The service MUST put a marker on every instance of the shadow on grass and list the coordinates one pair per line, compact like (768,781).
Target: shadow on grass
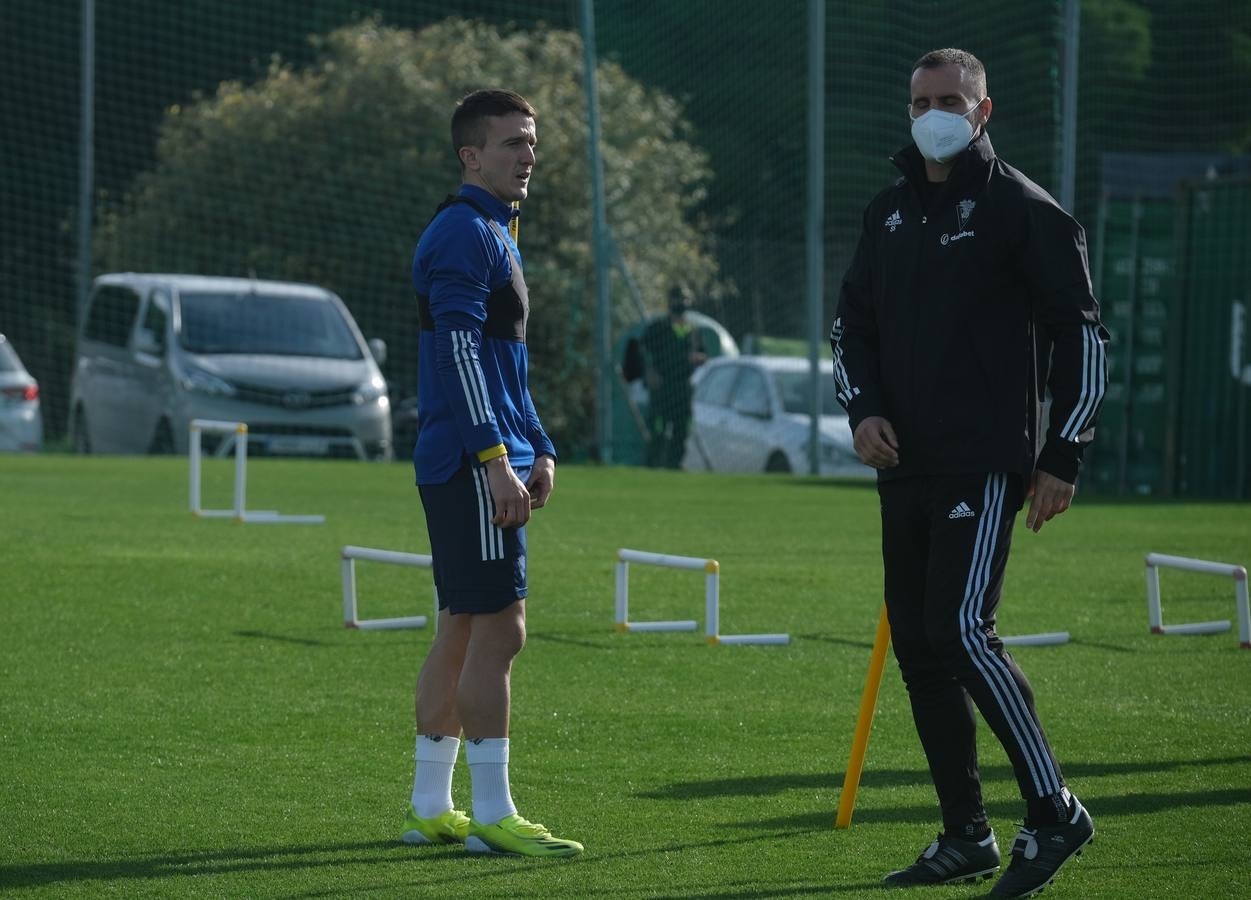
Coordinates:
(1114,805)
(729,891)
(761,785)
(496,867)
(315,856)
(267,636)
(868,645)
(194,865)
(1099,645)
(827,639)
(561,639)
(745,892)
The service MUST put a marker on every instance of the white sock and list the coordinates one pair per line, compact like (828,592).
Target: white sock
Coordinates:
(432,783)
(488,773)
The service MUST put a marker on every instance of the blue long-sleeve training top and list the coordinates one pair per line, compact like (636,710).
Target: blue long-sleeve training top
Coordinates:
(473,395)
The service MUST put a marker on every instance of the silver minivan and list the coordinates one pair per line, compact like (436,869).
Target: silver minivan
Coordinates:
(156,351)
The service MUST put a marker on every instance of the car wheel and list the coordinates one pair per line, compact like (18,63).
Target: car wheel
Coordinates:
(82,443)
(777,462)
(163,440)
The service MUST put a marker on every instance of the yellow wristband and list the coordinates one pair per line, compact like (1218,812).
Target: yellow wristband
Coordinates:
(491,453)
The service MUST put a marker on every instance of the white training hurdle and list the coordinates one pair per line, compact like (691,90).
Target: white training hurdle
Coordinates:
(240,512)
(712,599)
(1157,561)
(1044,639)
(349,555)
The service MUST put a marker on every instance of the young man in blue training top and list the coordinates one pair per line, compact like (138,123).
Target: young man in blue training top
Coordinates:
(483,462)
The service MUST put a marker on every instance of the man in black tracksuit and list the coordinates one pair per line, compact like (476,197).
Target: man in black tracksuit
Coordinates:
(968,297)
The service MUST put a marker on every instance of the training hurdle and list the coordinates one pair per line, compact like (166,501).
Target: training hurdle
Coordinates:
(1045,639)
(349,555)
(712,599)
(1157,561)
(240,512)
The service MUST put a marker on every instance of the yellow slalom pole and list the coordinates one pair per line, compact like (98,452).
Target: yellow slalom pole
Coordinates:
(864,722)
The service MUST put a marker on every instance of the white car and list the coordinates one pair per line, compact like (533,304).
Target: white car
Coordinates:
(157,351)
(21,423)
(751,414)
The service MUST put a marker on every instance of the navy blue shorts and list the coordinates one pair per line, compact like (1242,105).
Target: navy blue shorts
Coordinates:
(478,567)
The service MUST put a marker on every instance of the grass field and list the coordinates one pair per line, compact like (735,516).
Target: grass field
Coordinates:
(183,713)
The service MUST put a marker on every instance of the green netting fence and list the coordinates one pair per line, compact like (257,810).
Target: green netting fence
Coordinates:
(307,141)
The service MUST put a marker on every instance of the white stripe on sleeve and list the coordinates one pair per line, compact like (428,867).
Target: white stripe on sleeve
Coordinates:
(475,394)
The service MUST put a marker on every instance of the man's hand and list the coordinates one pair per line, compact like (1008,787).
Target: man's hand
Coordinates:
(511,499)
(876,444)
(542,481)
(1049,496)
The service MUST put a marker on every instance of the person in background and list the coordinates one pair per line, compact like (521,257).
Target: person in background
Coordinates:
(671,351)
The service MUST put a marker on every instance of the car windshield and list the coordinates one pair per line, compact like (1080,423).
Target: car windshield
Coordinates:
(8,358)
(268,324)
(796,389)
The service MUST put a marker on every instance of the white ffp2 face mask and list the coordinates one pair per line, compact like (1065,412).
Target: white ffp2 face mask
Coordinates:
(940,135)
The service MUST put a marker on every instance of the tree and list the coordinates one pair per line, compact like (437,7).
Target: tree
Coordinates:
(328,174)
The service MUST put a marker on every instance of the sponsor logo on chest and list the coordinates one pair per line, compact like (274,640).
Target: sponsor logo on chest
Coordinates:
(964,210)
(893,221)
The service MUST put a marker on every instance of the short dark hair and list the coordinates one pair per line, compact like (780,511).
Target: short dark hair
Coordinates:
(469,119)
(679,299)
(950,56)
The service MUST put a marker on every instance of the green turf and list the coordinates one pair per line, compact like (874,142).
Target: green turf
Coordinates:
(184,714)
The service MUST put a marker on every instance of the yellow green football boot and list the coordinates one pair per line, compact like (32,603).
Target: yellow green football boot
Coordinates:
(450,827)
(514,835)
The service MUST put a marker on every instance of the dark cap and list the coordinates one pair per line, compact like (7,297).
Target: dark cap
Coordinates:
(679,300)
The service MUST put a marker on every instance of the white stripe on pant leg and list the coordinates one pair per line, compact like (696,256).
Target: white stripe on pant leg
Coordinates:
(493,535)
(994,670)
(970,623)
(1013,705)
(1032,742)
(495,538)
(982,546)
(484,514)
(488,513)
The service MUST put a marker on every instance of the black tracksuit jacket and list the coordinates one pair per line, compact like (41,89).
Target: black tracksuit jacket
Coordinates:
(951,325)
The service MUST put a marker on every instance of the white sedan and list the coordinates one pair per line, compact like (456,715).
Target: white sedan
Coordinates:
(21,423)
(751,414)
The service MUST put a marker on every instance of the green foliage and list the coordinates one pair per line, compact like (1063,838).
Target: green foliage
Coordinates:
(184,714)
(1115,41)
(328,174)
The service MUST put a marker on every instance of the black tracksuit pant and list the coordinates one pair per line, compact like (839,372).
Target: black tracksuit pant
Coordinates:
(945,546)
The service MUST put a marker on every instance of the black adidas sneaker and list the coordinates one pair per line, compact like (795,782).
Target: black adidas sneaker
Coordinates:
(948,860)
(1038,854)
